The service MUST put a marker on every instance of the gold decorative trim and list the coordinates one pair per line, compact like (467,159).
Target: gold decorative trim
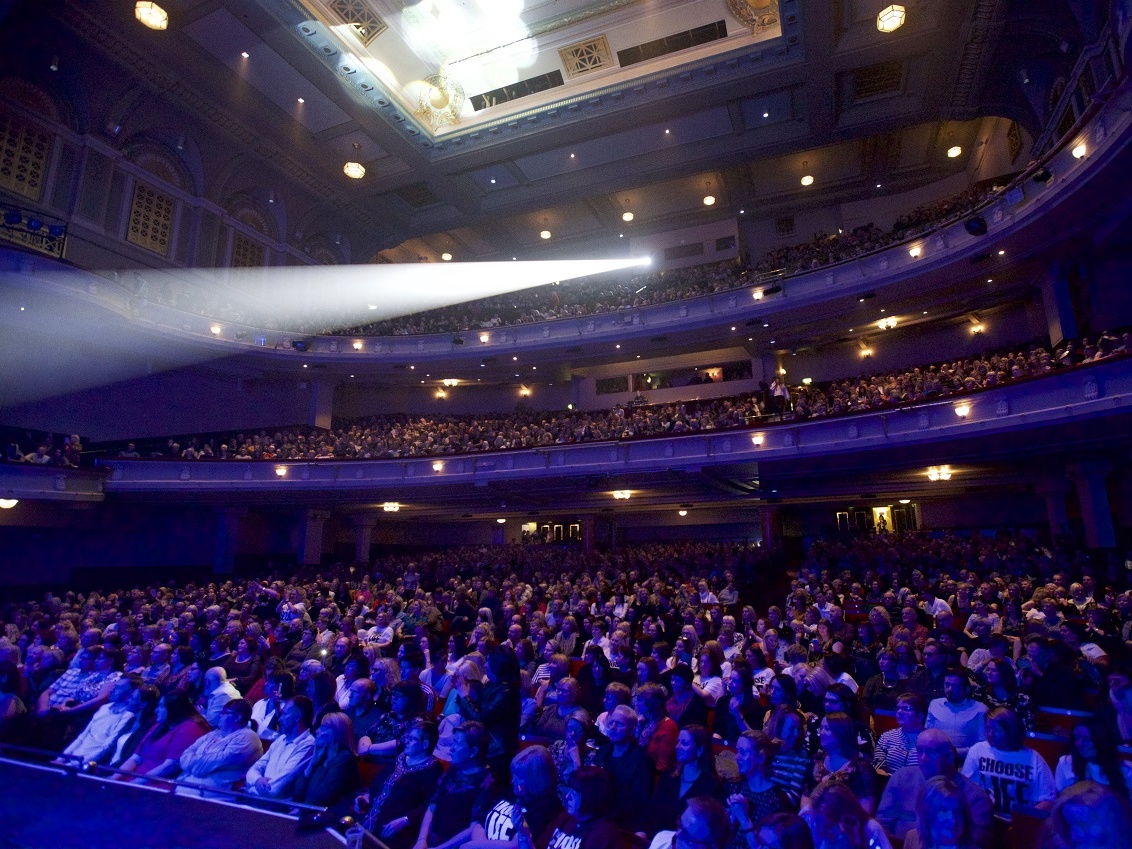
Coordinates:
(759,15)
(580,58)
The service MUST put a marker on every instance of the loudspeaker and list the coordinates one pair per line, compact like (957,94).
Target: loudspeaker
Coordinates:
(976,225)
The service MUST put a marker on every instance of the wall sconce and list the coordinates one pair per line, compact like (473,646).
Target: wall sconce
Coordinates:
(281,471)
(1080,150)
(681,513)
(8,503)
(757,439)
(891,18)
(622,494)
(501,521)
(391,506)
(914,251)
(214,330)
(962,410)
(485,338)
(939,473)
(438,466)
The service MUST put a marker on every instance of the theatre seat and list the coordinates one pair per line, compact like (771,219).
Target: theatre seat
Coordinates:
(1026,827)
(1059,721)
(1050,746)
(883,720)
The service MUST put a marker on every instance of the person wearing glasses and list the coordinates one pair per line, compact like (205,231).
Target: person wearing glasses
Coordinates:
(222,757)
(704,824)
(587,825)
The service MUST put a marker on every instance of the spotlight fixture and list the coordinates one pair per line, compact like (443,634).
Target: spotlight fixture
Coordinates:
(962,410)
(524,392)
(976,225)
(391,506)
(354,169)
(954,152)
(151,15)
(976,329)
(757,294)
(440,393)
(891,18)
(887,323)
(450,381)
(866,352)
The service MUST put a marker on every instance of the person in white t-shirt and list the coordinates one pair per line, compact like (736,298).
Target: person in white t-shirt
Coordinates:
(1093,756)
(1012,774)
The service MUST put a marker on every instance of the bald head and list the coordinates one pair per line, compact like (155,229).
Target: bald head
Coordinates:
(935,753)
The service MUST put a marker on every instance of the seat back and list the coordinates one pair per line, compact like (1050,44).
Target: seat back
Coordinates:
(883,720)
(1050,746)
(1060,721)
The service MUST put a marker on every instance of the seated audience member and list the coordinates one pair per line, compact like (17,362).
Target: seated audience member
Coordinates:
(837,820)
(531,808)
(274,773)
(465,793)
(686,706)
(355,668)
(244,667)
(782,695)
(1005,768)
(178,726)
(588,824)
(786,831)
(936,757)
(839,698)
(222,757)
(703,823)
(385,737)
(330,778)
(97,740)
(630,769)
(218,691)
(550,724)
(11,705)
(943,818)
(1093,756)
(739,710)
(576,749)
(882,690)
(754,796)
(1088,814)
(792,767)
(1001,690)
(616,694)
(896,748)
(143,705)
(319,689)
(655,729)
(693,775)
(396,803)
(840,760)
(266,712)
(957,714)
(498,705)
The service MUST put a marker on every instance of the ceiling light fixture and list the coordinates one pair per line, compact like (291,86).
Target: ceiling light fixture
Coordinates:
(391,506)
(245,55)
(151,15)
(627,215)
(215,330)
(939,473)
(622,494)
(807,180)
(891,18)
(354,170)
(447,257)
(709,198)
(954,152)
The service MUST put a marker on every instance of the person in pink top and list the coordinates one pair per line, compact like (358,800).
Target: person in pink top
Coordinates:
(178,726)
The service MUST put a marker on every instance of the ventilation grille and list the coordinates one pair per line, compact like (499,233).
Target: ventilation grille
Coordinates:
(523,88)
(784,225)
(360,18)
(24,153)
(672,43)
(247,253)
(874,80)
(418,195)
(586,56)
(151,220)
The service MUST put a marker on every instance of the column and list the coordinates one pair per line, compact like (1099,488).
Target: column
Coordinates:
(589,532)
(770,517)
(321,407)
(1058,304)
(1054,492)
(363,525)
(1091,481)
(227,535)
(311,524)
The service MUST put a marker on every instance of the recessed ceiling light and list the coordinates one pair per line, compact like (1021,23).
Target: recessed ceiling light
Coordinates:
(245,54)
(1002,253)
(151,15)
(354,170)
(301,100)
(493,181)
(571,156)
(766,114)
(668,132)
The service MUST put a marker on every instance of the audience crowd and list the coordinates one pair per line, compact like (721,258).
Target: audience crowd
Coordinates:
(666,695)
(578,298)
(401,435)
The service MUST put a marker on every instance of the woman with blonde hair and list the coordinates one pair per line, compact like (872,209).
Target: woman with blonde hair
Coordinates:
(943,818)
(533,800)
(331,777)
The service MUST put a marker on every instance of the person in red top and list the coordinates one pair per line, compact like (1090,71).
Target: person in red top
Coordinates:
(178,725)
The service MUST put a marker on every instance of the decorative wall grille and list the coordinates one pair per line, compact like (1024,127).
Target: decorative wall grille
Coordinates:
(24,152)
(151,220)
(358,15)
(247,253)
(586,56)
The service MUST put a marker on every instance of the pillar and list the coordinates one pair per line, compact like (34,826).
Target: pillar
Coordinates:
(1054,492)
(589,532)
(321,406)
(311,525)
(1058,303)
(1090,478)
(227,534)
(363,525)
(770,517)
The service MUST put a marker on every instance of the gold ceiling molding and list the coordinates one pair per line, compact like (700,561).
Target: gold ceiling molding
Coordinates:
(759,15)
(441,100)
